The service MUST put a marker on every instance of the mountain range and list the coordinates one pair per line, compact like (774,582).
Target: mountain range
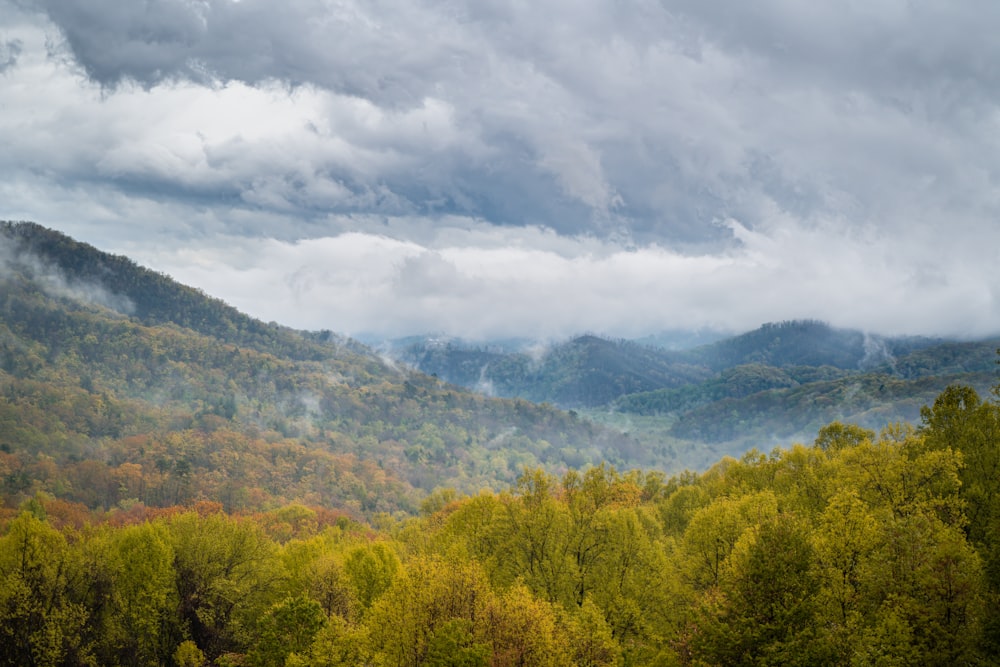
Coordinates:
(120,388)
(780,382)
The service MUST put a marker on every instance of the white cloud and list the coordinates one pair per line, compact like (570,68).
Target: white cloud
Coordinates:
(366,283)
(535,168)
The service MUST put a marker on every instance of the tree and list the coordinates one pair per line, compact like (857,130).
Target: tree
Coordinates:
(133,597)
(960,421)
(713,532)
(39,622)
(768,601)
(837,435)
(453,644)
(189,655)
(288,627)
(522,630)
(371,570)
(536,543)
(227,576)
(417,612)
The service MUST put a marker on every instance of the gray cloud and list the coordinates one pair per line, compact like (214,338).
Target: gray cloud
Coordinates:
(731,135)
(640,119)
(9,52)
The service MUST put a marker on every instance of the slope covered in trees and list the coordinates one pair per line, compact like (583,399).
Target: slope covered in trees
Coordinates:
(118,385)
(586,371)
(856,550)
(210,490)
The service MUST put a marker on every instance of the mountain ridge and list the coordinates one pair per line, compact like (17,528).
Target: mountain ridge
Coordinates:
(105,399)
(790,359)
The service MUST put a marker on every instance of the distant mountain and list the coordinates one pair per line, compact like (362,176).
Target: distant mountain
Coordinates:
(780,381)
(677,340)
(118,385)
(775,416)
(586,371)
(589,371)
(806,343)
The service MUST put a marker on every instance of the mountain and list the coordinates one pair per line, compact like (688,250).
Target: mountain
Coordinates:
(774,384)
(805,343)
(118,385)
(586,371)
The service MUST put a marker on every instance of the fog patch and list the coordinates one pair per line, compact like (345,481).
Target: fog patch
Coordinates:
(484,385)
(877,353)
(54,282)
(538,351)
(467,286)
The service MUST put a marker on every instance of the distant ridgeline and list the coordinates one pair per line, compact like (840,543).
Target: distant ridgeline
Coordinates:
(776,383)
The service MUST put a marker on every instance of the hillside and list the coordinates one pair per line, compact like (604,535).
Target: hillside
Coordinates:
(118,385)
(855,550)
(805,343)
(776,384)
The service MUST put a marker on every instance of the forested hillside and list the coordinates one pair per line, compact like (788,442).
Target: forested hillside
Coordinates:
(119,386)
(586,371)
(856,550)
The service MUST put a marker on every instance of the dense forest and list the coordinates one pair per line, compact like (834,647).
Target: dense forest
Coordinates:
(856,550)
(183,485)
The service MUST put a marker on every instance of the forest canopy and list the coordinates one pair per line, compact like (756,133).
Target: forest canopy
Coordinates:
(857,549)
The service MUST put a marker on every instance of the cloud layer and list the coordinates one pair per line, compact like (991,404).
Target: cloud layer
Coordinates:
(504,168)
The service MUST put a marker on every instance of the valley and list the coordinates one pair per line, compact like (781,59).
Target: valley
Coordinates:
(185,485)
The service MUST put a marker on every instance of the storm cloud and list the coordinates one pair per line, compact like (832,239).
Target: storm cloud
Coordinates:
(506,167)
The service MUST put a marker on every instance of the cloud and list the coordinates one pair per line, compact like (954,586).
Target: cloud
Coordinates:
(540,166)
(469,286)
(9,52)
(648,121)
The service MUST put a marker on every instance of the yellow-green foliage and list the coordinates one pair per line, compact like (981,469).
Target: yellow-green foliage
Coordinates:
(856,550)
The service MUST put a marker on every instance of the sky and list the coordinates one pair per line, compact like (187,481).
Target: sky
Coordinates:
(489,168)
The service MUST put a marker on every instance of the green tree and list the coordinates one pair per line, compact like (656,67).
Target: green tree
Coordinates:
(371,570)
(713,532)
(341,644)
(536,539)
(766,613)
(288,627)
(40,624)
(189,655)
(453,644)
(414,613)
(227,576)
(960,421)
(590,638)
(131,574)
